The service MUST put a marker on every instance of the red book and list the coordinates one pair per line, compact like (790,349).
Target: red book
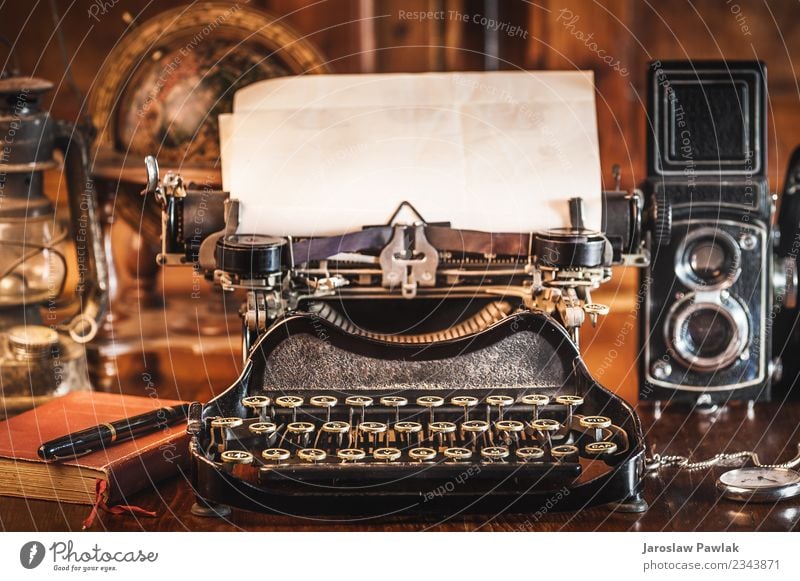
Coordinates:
(115,472)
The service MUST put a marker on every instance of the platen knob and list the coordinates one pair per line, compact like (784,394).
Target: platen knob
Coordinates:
(660,218)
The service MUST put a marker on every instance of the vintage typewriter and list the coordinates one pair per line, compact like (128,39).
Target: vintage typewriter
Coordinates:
(412,366)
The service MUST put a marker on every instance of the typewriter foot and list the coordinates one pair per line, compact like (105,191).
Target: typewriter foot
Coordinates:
(632,504)
(208,509)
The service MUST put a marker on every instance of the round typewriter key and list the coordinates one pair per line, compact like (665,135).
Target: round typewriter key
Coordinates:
(351,454)
(458,453)
(495,453)
(236,457)
(500,400)
(565,452)
(335,427)
(257,403)
(360,401)
(311,454)
(598,448)
(289,401)
(300,427)
(387,454)
(262,428)
(571,400)
(597,423)
(275,454)
(536,400)
(529,454)
(546,425)
(422,454)
(323,401)
(442,427)
(408,427)
(393,401)
(431,402)
(509,426)
(475,426)
(373,427)
(226,423)
(466,402)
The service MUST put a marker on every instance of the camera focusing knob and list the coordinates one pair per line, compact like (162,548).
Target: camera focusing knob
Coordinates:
(660,218)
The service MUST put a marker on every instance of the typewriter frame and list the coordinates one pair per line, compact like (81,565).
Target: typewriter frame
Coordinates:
(620,485)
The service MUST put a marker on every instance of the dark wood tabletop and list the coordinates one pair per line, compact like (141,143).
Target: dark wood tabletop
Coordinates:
(679,500)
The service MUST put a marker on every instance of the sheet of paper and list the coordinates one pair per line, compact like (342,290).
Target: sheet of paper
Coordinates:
(495,151)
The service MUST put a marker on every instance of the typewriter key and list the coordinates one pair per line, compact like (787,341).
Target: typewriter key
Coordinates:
(440,429)
(599,448)
(373,427)
(312,455)
(466,402)
(351,455)
(395,402)
(276,455)
(536,400)
(458,454)
(545,427)
(571,401)
(300,431)
(422,454)
(290,401)
(598,423)
(509,426)
(236,457)
(501,401)
(565,453)
(387,454)
(495,453)
(358,401)
(530,454)
(324,401)
(220,431)
(431,402)
(475,426)
(259,405)
(335,427)
(262,428)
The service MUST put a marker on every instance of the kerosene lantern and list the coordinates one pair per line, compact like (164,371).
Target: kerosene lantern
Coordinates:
(41,349)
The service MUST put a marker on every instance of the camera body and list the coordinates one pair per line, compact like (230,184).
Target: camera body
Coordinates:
(708,289)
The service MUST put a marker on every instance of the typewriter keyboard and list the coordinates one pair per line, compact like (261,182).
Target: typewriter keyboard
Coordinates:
(380,437)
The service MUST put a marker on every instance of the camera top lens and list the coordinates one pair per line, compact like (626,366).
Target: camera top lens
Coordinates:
(708,259)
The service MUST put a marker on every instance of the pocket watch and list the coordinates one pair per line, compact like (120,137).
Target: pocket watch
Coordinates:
(756,483)
(759,484)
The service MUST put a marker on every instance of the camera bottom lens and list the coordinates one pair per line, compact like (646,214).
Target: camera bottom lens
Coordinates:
(706,336)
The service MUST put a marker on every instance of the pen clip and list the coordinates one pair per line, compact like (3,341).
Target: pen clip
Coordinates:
(70,456)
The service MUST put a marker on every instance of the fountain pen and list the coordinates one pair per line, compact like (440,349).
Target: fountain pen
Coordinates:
(108,434)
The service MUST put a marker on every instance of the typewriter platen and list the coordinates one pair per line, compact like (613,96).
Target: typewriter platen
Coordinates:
(338,413)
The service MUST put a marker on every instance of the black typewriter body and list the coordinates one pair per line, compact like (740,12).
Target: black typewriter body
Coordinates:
(491,473)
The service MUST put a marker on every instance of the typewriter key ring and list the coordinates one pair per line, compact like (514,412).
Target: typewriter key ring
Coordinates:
(530,454)
(312,455)
(276,455)
(422,454)
(600,448)
(431,402)
(258,404)
(545,428)
(263,429)
(232,457)
(405,429)
(358,401)
(458,454)
(536,400)
(387,454)
(324,401)
(301,431)
(339,429)
(221,431)
(372,432)
(571,401)
(596,423)
(494,453)
(565,453)
(465,401)
(395,402)
(501,401)
(290,401)
(441,429)
(509,430)
(475,428)
(351,455)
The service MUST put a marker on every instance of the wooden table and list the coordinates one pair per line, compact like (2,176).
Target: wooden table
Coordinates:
(679,500)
